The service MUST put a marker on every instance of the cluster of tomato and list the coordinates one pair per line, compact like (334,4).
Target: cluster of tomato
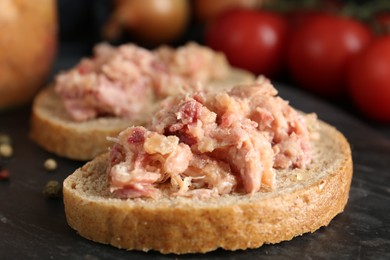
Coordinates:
(333,56)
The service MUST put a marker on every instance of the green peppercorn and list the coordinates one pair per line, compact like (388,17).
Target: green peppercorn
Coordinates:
(52,189)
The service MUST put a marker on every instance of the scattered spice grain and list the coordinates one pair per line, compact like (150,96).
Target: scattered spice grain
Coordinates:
(6,150)
(52,189)
(4,175)
(50,164)
(5,139)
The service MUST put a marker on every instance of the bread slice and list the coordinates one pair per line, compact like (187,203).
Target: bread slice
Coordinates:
(305,200)
(54,130)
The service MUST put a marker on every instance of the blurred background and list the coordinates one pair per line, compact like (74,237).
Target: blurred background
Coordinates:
(338,51)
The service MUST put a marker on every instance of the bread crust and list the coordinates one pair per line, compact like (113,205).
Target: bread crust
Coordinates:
(305,200)
(56,132)
(52,128)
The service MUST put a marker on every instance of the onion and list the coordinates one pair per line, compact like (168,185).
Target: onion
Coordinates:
(152,22)
(28,44)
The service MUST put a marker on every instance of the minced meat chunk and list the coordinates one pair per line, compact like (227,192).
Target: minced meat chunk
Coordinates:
(205,144)
(125,81)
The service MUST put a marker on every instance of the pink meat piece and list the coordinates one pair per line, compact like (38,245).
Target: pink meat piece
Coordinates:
(215,144)
(124,81)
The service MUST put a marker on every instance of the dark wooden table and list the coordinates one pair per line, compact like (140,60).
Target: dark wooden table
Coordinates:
(34,227)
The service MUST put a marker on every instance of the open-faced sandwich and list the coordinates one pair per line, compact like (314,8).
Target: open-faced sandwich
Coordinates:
(119,86)
(232,169)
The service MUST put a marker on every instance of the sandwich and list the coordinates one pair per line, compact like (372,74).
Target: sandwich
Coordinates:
(233,169)
(117,87)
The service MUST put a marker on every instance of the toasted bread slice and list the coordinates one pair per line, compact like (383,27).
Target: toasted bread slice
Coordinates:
(304,200)
(54,130)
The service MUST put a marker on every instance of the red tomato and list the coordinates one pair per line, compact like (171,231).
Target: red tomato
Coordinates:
(319,53)
(382,22)
(251,39)
(369,80)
